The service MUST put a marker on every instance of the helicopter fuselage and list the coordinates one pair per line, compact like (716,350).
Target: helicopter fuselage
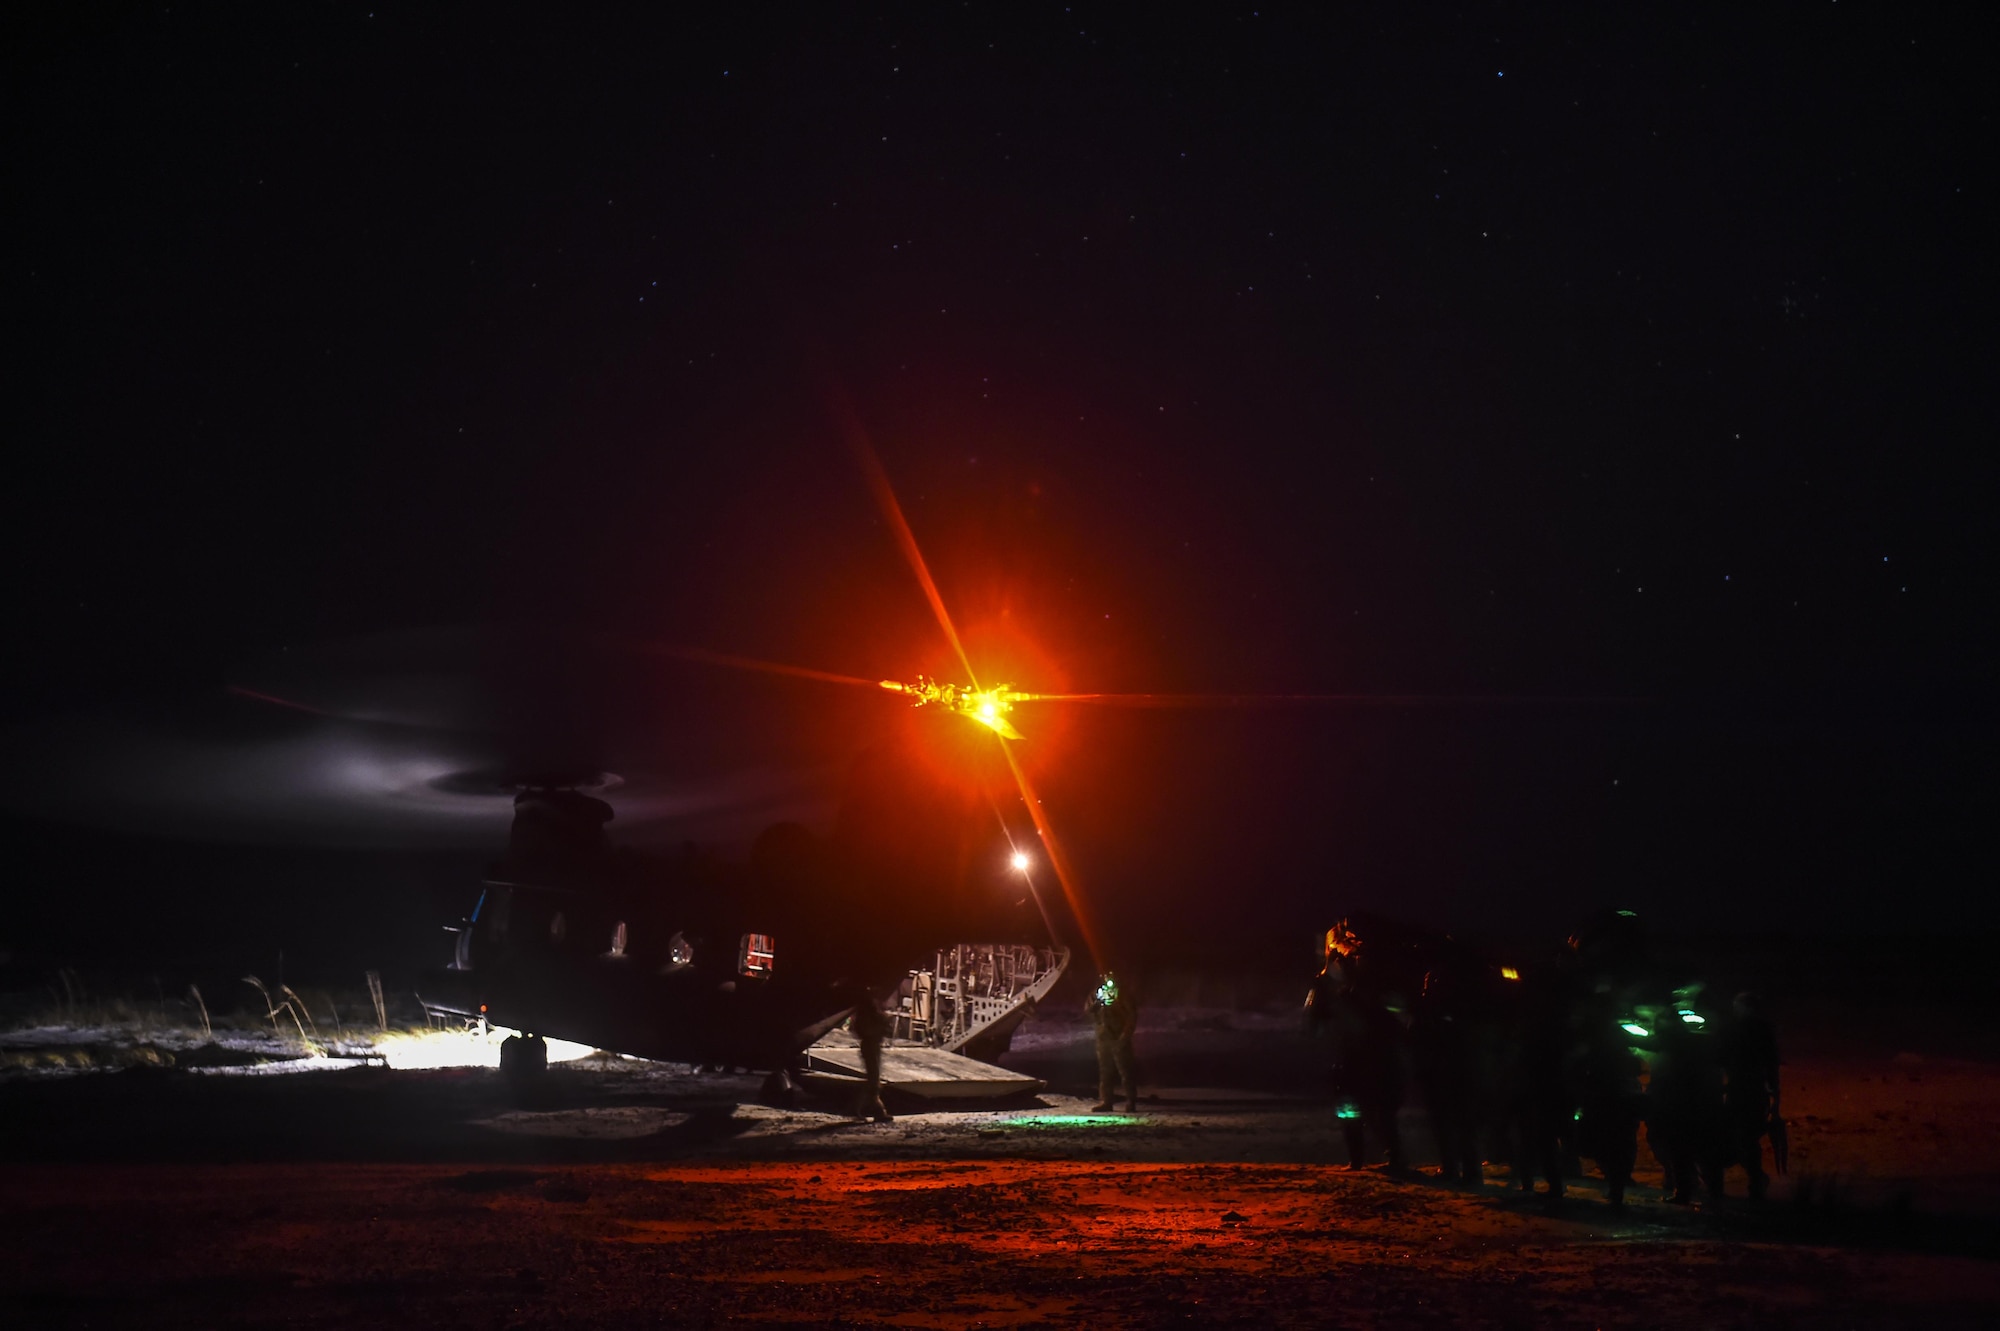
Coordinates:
(609,969)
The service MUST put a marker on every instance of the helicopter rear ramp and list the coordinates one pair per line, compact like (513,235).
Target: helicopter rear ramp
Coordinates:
(968,1000)
(921,1071)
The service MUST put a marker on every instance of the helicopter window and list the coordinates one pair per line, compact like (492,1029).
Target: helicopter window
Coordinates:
(618,939)
(558,927)
(755,954)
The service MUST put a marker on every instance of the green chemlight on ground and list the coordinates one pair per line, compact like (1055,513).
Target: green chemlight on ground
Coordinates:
(1069,1120)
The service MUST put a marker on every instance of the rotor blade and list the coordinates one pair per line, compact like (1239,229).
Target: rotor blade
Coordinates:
(220,774)
(237,690)
(734,662)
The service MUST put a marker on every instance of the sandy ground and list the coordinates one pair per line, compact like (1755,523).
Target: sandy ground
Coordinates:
(626,1193)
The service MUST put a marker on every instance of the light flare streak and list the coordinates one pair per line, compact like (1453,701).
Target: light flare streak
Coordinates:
(1198,700)
(856,435)
(892,511)
(1059,864)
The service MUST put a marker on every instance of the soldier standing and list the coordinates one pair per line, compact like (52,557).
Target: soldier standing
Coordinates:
(1603,1078)
(1750,1102)
(1367,1065)
(1116,1017)
(1442,1049)
(871,1026)
(1684,1094)
(1538,1105)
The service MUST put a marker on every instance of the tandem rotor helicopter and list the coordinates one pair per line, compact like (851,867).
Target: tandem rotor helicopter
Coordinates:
(693,959)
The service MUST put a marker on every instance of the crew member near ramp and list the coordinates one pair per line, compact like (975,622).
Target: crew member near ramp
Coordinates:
(1116,1016)
(870,1026)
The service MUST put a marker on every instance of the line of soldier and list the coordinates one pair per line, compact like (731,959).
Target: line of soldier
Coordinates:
(1540,1067)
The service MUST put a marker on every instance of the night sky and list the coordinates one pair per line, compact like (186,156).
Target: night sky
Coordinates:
(1629,371)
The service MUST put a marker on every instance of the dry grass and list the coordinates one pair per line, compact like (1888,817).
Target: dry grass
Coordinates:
(207,1029)
(85,1058)
(290,1006)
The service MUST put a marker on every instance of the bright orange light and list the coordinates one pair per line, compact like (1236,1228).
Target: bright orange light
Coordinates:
(989,707)
(1509,973)
(1021,861)
(885,497)
(991,711)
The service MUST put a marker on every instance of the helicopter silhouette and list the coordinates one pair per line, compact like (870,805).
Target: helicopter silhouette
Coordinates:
(695,958)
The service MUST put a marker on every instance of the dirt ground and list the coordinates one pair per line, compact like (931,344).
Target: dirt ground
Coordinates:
(627,1193)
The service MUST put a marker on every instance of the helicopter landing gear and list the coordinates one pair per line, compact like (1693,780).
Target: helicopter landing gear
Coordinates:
(523,1058)
(779,1091)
